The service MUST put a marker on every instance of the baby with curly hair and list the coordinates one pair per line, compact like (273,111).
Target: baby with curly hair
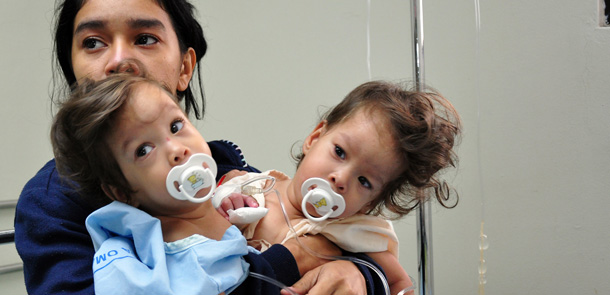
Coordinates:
(373,157)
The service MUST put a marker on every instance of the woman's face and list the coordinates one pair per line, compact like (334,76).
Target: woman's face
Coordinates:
(134,36)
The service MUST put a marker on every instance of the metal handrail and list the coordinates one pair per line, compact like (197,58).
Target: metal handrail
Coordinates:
(7,236)
(8,204)
(11,268)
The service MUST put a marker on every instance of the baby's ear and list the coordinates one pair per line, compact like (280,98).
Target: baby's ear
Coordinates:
(115,194)
(313,137)
(367,207)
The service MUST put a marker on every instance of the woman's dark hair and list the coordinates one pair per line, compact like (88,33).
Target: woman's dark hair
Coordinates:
(424,126)
(186,26)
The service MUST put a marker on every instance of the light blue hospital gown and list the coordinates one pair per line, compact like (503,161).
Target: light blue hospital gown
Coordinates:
(131,257)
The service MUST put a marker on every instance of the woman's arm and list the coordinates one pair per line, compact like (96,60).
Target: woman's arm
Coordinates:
(321,276)
(342,277)
(51,238)
(335,277)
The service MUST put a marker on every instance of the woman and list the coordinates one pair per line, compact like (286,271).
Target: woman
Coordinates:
(163,41)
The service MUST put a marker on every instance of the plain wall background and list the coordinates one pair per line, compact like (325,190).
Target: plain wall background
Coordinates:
(532,88)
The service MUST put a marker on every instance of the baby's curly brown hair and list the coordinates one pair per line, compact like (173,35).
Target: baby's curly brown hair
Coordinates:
(425,127)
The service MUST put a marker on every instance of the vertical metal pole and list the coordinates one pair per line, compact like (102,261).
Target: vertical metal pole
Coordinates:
(424,223)
(424,249)
(417,23)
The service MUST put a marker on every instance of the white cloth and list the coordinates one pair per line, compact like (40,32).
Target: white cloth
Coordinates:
(357,233)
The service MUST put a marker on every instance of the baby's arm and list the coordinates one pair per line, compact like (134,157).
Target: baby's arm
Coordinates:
(396,275)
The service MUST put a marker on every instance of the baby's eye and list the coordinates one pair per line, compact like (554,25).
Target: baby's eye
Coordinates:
(176,126)
(339,152)
(146,40)
(365,182)
(143,150)
(92,43)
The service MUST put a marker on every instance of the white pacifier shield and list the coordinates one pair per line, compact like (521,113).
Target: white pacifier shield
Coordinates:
(191,177)
(322,198)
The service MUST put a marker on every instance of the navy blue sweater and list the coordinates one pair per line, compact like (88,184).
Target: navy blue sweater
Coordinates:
(56,249)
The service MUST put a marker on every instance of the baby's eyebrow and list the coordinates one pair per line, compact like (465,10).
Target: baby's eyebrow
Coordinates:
(124,145)
(123,142)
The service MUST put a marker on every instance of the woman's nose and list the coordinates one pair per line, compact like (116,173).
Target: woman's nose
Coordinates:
(122,60)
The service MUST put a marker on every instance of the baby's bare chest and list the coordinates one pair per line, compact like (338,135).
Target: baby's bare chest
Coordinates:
(273,227)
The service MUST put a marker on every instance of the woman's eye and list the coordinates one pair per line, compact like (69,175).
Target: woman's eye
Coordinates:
(92,43)
(146,40)
(176,126)
(143,150)
(365,182)
(339,152)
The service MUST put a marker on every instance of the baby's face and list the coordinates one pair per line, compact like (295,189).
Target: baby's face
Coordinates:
(151,135)
(357,157)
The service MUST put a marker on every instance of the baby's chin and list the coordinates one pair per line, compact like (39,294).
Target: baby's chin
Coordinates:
(183,209)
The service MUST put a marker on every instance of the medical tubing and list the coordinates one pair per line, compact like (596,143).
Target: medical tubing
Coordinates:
(250,190)
(271,281)
(386,287)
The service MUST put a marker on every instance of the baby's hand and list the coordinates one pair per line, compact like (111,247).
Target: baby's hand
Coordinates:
(229,197)
(235,201)
(233,205)
(240,209)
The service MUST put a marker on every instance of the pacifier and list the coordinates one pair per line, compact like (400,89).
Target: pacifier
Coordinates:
(322,198)
(184,181)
